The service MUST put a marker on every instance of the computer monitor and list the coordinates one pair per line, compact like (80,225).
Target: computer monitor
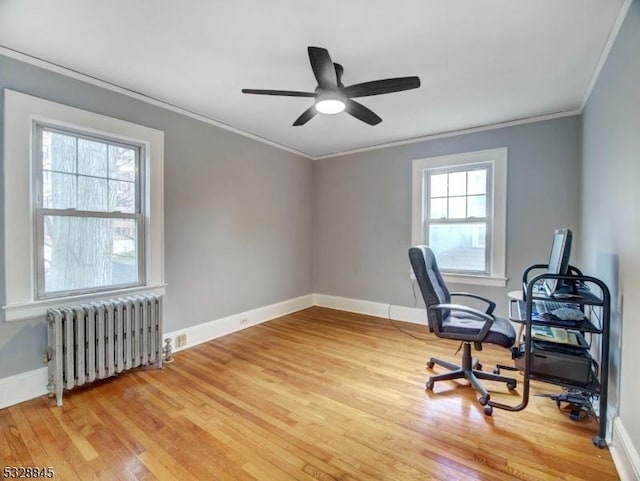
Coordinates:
(558,259)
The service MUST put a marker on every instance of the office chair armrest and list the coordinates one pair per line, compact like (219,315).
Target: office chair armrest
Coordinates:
(491,305)
(488,321)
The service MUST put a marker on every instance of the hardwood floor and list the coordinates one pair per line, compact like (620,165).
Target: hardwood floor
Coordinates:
(315,395)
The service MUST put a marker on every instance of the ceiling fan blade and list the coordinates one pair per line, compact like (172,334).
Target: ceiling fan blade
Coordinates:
(378,87)
(323,68)
(285,93)
(306,116)
(361,112)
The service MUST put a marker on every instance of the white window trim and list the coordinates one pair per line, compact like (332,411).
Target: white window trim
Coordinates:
(498,157)
(21,111)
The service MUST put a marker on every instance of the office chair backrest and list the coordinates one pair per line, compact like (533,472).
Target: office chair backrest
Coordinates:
(433,288)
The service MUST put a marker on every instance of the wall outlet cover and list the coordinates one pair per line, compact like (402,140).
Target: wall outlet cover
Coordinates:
(181,340)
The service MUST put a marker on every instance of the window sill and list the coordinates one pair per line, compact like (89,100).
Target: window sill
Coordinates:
(475,280)
(38,309)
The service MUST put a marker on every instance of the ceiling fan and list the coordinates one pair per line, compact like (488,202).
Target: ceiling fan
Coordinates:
(332,97)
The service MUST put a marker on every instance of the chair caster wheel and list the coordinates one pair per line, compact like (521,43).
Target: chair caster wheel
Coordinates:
(429,385)
(483,400)
(478,367)
(430,365)
(511,385)
(496,370)
(488,410)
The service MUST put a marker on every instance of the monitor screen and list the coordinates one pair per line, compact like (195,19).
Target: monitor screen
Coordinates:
(559,258)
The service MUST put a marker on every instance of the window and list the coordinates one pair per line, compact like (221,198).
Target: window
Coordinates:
(457,224)
(89,219)
(459,210)
(83,206)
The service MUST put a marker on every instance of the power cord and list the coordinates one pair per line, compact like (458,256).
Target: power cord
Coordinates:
(415,303)
(592,315)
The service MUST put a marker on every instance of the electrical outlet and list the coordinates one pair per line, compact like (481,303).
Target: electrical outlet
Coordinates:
(244,321)
(181,341)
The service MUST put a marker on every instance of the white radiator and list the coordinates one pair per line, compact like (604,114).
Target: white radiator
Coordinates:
(102,339)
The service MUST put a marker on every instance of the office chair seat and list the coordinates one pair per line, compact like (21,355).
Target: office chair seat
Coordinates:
(460,322)
(500,332)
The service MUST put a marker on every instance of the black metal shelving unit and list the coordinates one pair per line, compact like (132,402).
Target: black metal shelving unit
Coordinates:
(575,292)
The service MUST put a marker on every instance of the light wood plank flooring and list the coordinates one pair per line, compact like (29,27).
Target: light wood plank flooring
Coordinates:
(316,395)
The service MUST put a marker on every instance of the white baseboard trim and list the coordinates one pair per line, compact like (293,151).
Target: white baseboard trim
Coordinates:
(624,453)
(221,327)
(398,313)
(22,387)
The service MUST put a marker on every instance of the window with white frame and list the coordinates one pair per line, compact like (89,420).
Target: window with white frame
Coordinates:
(83,206)
(88,211)
(459,211)
(457,226)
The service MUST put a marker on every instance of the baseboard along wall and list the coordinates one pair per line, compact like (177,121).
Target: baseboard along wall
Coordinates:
(624,453)
(23,386)
(210,330)
(398,313)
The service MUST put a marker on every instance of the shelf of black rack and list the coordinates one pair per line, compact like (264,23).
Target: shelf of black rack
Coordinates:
(582,326)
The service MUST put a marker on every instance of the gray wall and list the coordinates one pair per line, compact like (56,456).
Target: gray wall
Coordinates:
(611,197)
(238,214)
(363,208)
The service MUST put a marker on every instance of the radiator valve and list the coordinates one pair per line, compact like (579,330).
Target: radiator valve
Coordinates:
(167,351)
(47,355)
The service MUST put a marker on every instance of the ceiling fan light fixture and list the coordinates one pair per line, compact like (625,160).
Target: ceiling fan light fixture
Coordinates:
(332,97)
(330,103)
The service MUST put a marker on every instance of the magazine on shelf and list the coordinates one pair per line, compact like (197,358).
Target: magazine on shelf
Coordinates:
(558,335)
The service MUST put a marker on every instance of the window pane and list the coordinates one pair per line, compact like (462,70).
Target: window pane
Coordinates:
(89,252)
(122,163)
(477,206)
(457,207)
(92,194)
(438,209)
(458,183)
(58,190)
(477,182)
(459,247)
(92,158)
(122,196)
(438,186)
(58,152)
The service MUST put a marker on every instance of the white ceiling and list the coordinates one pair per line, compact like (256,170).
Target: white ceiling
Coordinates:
(480,62)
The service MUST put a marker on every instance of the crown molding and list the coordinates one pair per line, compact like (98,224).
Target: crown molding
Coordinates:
(38,62)
(454,133)
(604,55)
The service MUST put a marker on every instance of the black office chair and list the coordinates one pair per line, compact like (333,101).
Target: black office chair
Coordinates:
(459,322)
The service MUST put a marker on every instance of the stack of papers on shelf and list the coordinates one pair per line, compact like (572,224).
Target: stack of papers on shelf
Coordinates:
(557,335)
